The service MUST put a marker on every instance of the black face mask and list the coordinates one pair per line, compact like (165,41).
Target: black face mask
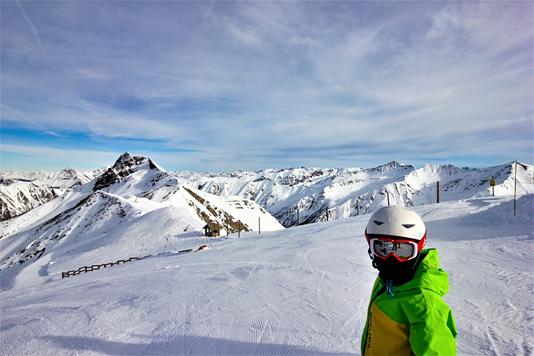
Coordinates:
(391,268)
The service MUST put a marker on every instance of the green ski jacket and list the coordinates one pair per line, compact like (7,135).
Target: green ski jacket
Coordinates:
(416,320)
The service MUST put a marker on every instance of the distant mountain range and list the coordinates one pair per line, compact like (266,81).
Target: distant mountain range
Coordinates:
(307,195)
(293,195)
(23,191)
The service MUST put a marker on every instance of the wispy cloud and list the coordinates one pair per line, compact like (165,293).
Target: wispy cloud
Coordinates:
(235,84)
(30,23)
(208,11)
(19,115)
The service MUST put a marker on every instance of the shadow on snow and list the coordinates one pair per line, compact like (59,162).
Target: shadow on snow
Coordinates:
(181,345)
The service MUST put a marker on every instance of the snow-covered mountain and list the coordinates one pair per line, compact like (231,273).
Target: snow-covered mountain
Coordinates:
(23,191)
(307,195)
(113,204)
(298,195)
(302,290)
(67,178)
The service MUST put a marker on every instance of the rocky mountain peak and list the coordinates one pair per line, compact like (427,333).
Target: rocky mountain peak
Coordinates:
(128,163)
(68,173)
(126,160)
(123,167)
(392,166)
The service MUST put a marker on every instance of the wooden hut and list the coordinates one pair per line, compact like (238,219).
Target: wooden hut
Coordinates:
(212,229)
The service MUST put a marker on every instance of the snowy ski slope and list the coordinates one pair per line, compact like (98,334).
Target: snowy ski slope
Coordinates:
(297,291)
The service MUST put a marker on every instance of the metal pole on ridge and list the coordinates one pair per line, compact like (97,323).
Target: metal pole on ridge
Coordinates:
(515,187)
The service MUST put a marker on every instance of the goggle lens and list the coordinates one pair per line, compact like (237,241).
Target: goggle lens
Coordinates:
(403,250)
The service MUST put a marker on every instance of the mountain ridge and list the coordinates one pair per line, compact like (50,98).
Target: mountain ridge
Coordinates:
(306,195)
(292,195)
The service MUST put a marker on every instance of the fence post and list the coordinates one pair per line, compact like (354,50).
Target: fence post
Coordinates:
(438,191)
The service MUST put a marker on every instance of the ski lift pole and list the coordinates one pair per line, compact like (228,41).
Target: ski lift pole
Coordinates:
(515,187)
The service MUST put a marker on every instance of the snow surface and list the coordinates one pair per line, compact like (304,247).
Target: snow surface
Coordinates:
(297,291)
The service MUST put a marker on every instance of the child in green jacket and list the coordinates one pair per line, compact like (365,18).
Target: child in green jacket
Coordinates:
(407,314)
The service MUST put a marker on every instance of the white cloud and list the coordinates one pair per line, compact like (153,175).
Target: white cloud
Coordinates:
(253,78)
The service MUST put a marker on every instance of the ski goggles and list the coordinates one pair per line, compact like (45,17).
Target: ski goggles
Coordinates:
(403,250)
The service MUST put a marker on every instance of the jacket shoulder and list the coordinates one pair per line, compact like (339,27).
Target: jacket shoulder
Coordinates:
(429,276)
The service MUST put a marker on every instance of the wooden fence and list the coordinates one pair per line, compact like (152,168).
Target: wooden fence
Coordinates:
(86,269)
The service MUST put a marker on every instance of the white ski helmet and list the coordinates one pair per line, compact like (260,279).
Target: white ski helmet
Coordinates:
(396,223)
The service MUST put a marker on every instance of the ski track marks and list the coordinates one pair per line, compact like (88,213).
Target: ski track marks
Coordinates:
(300,291)
(490,296)
(35,332)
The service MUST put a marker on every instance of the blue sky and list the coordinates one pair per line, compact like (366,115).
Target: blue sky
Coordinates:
(226,85)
